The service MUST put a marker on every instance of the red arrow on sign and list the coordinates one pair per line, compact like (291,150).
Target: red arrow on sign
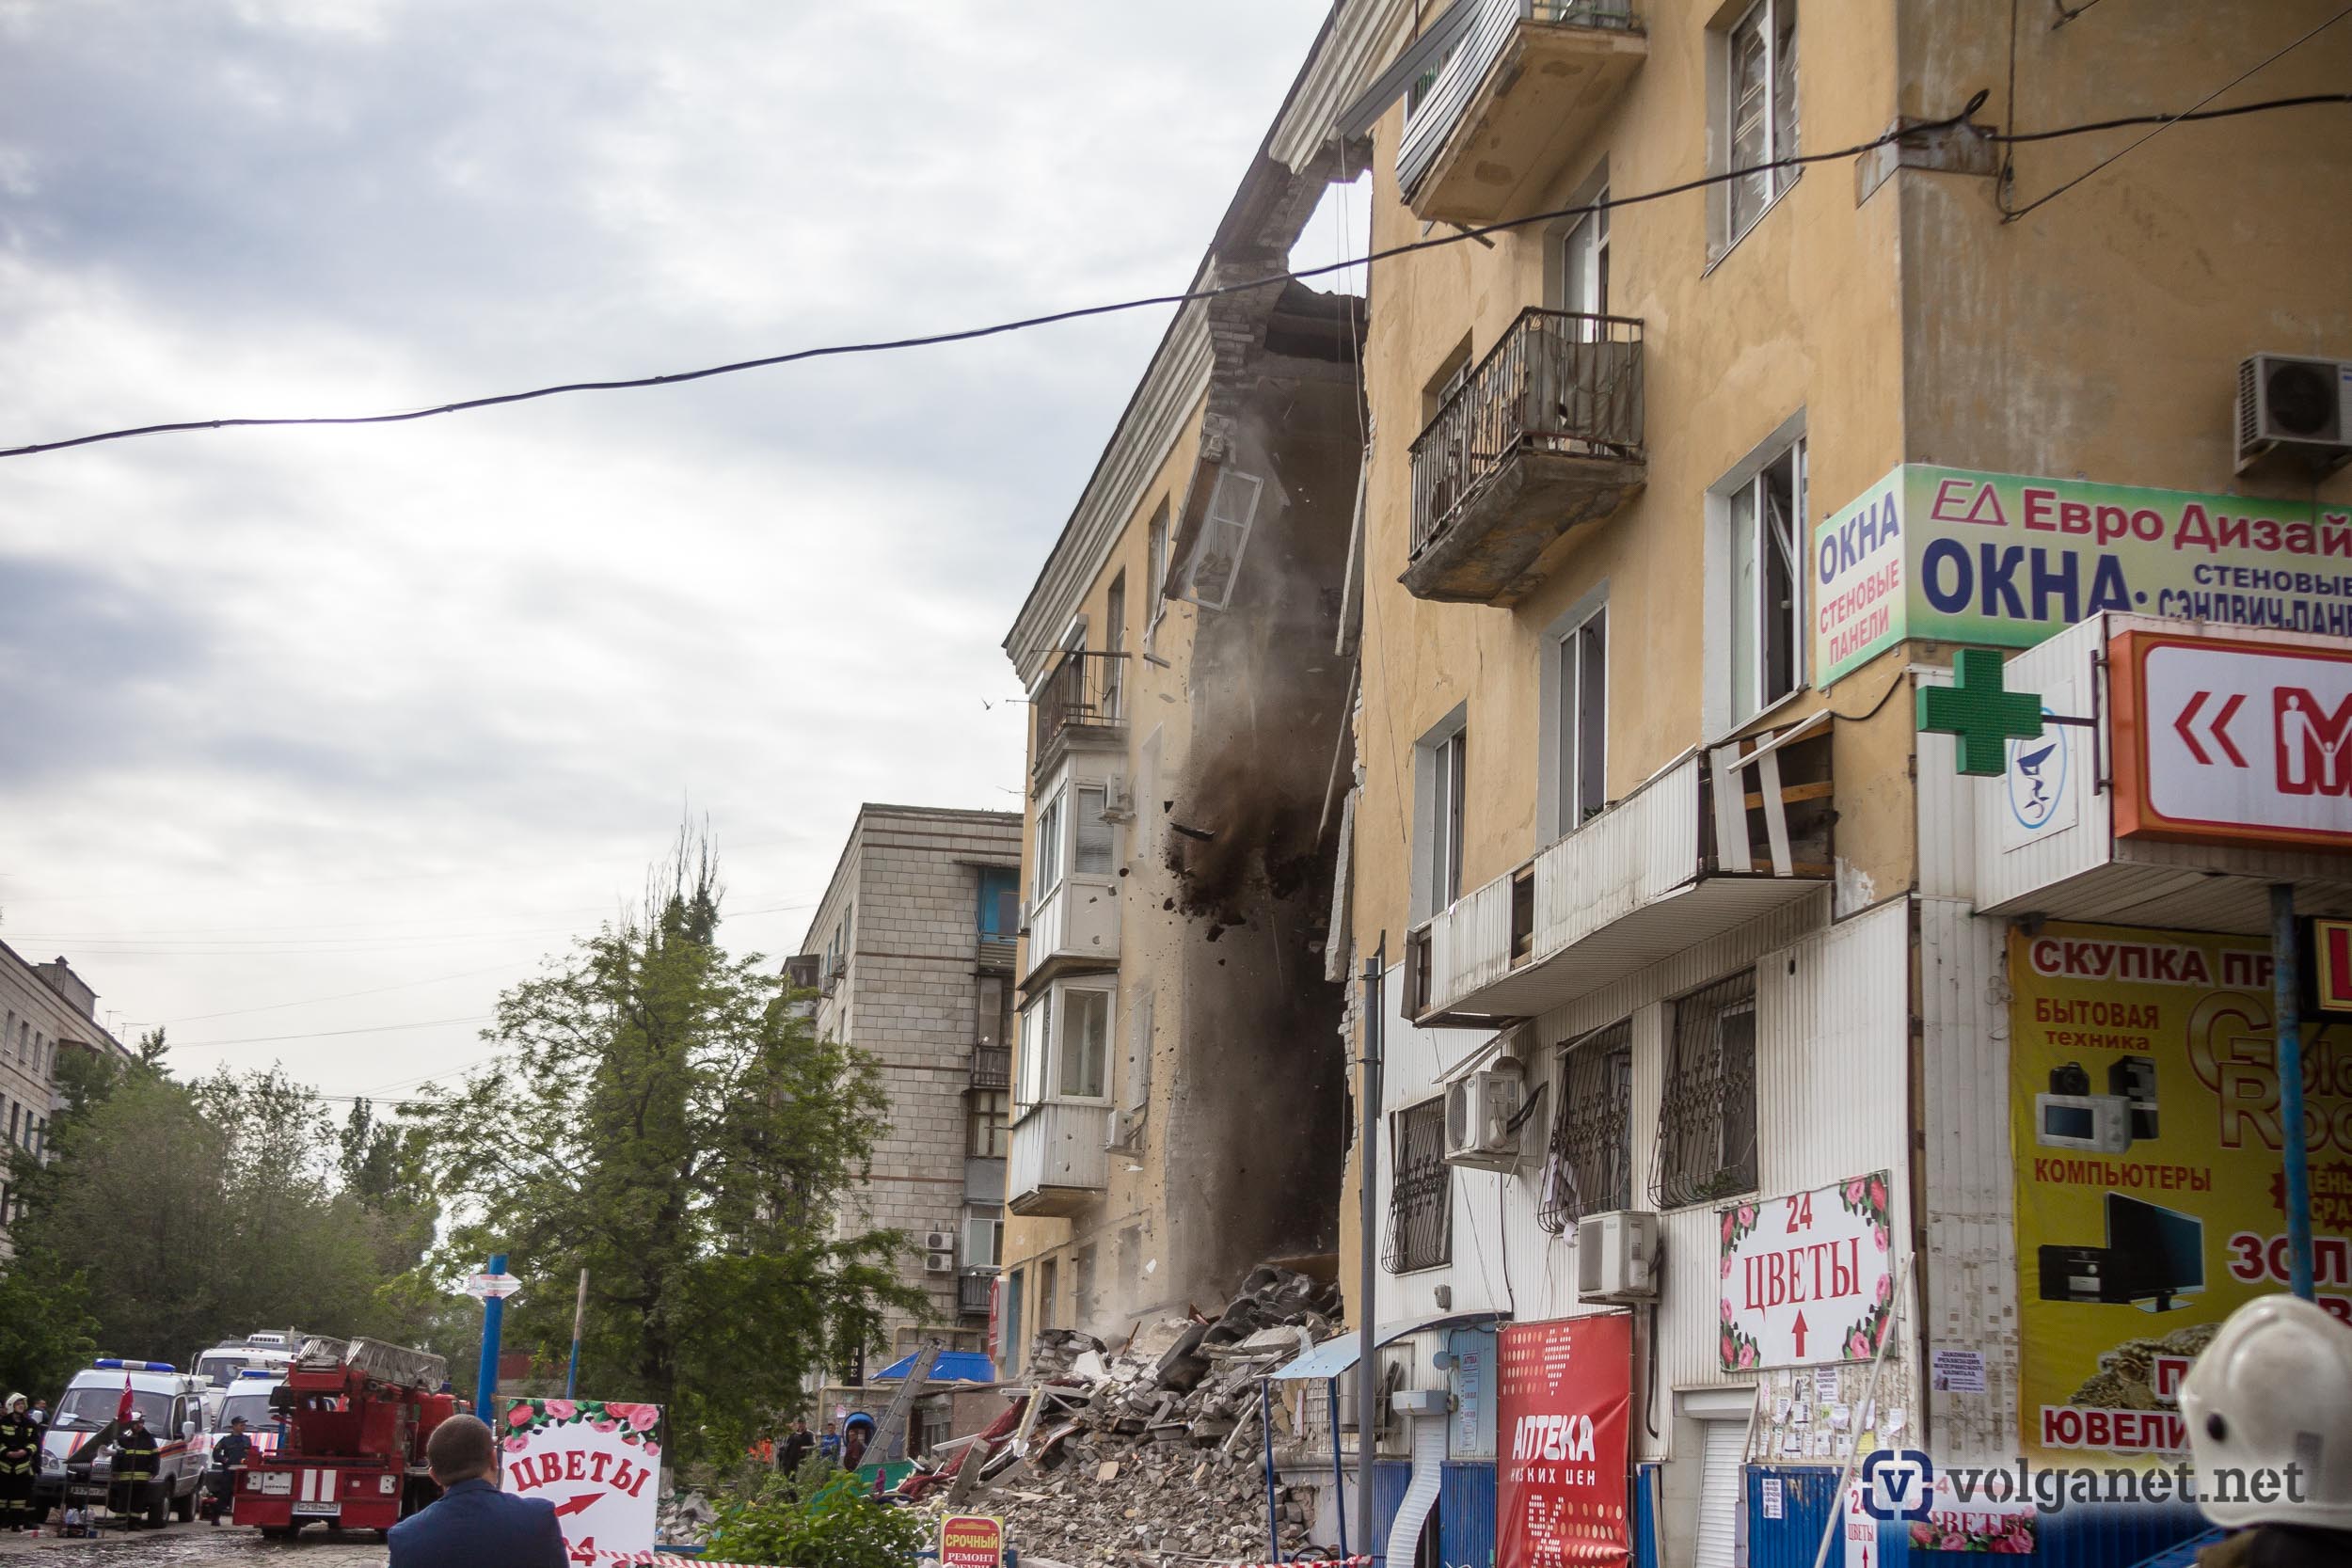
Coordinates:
(1798,1327)
(2217,730)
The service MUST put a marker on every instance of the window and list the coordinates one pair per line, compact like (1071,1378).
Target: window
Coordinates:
(1447,770)
(1224,535)
(1764,554)
(1452,376)
(1092,855)
(1707,1114)
(991,1011)
(1576,690)
(1588,1168)
(986,1119)
(1113,644)
(1760,119)
(1010,1347)
(1420,1195)
(1000,901)
(1585,265)
(1155,568)
(1048,846)
(1037,1043)
(983,1242)
(1084,1070)
(1048,1287)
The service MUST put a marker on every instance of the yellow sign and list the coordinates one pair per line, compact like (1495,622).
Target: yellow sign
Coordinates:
(2144,1111)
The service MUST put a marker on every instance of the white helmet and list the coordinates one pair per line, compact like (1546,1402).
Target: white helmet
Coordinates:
(2273,1389)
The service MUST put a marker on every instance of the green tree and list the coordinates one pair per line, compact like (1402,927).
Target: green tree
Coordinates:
(149,1053)
(661,1116)
(46,1331)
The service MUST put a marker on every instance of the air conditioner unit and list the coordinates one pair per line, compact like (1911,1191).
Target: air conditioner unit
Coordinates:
(1616,1257)
(1118,805)
(1480,1111)
(2292,403)
(938,1263)
(939,1240)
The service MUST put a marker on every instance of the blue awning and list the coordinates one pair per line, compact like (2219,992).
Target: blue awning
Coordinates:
(1337,1353)
(954,1365)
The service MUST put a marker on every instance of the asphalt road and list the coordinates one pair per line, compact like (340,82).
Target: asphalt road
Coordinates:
(194,1546)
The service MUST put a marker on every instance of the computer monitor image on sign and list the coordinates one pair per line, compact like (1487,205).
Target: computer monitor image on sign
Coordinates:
(2162,1249)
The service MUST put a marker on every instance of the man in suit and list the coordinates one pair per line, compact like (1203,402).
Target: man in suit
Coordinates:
(474,1525)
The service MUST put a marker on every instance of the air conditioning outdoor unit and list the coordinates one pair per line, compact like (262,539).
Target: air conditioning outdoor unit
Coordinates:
(2292,403)
(1118,805)
(939,1240)
(1616,1256)
(1479,1108)
(938,1263)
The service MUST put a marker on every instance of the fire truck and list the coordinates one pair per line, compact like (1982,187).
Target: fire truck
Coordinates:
(356,1414)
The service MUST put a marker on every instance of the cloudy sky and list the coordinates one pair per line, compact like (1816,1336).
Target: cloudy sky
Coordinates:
(310,742)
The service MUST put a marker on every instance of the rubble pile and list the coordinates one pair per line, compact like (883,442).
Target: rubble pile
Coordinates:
(1154,1452)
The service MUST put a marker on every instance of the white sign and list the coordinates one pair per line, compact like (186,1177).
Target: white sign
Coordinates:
(1773,1505)
(1805,1277)
(2227,741)
(485,1287)
(599,1463)
(1958,1372)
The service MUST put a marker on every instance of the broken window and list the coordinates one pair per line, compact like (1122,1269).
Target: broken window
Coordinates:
(1588,1168)
(1224,534)
(1763,111)
(1707,1114)
(1420,1195)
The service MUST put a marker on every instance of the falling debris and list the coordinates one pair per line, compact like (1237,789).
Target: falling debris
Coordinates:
(1206,836)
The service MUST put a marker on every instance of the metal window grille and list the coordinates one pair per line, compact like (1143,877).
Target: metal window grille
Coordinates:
(1707,1116)
(1421,1197)
(1588,1168)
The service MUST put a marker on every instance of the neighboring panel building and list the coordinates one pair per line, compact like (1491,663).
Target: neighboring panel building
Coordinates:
(1694,949)
(1179,1105)
(911,955)
(44,1009)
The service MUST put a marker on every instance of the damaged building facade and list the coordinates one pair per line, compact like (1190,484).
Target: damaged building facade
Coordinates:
(1697,959)
(1179,1101)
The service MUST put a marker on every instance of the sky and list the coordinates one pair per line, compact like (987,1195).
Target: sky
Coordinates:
(312,741)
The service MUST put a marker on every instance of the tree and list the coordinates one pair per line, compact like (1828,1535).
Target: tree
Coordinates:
(150,1053)
(46,1331)
(661,1117)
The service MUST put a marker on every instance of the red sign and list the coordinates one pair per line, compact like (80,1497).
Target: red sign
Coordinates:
(2331,965)
(2228,741)
(971,1540)
(1563,1390)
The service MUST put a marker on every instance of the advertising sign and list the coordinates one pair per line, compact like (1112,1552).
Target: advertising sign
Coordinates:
(1805,1277)
(1958,556)
(2150,1200)
(599,1463)
(1563,1392)
(2226,741)
(971,1540)
(2331,965)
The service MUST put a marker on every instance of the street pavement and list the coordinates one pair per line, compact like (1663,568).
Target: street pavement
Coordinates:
(195,1546)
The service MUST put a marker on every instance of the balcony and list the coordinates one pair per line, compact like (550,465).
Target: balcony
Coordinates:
(1079,703)
(973,1290)
(992,1067)
(1720,838)
(1545,437)
(1075,926)
(1059,1160)
(1507,114)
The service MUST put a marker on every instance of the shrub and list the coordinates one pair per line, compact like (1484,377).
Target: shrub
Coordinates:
(820,1518)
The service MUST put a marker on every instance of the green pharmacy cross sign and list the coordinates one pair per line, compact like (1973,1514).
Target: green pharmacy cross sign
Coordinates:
(1979,713)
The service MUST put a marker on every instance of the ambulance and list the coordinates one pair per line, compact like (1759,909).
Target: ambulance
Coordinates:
(173,1403)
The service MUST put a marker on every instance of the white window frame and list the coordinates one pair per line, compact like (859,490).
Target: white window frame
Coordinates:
(1064,1038)
(1730,701)
(1438,810)
(1556,780)
(1156,570)
(1727,222)
(1045,1040)
(1052,852)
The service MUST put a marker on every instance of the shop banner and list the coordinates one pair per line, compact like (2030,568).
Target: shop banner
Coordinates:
(1805,1277)
(599,1463)
(1957,556)
(1564,1393)
(2144,1107)
(971,1540)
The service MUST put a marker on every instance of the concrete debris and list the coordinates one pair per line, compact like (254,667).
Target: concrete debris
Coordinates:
(1157,1449)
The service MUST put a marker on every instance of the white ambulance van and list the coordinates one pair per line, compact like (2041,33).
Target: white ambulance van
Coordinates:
(173,1405)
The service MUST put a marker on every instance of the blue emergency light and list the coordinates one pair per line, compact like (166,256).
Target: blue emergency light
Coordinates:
(117,1364)
(256,1372)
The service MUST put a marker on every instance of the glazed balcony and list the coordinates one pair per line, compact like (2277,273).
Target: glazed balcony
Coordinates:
(1060,1158)
(1721,837)
(1510,111)
(1542,438)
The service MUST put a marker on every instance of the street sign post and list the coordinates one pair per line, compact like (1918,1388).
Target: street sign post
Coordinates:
(491,1287)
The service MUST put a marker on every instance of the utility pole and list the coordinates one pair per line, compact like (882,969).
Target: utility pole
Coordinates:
(1368,1260)
(579,1316)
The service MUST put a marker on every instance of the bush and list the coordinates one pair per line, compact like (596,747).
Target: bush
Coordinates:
(820,1518)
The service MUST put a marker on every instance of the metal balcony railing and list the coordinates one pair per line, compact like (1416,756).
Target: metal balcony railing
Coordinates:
(972,1292)
(1560,382)
(1083,690)
(992,1067)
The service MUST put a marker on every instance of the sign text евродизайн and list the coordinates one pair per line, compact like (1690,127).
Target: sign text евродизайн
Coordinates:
(1951,555)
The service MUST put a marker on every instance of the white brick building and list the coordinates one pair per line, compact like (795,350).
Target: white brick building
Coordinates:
(44,1009)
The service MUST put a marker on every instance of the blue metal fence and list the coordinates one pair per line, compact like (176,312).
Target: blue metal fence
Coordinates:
(1466,1513)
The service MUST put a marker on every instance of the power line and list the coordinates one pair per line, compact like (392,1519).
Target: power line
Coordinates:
(327,1034)
(2167,122)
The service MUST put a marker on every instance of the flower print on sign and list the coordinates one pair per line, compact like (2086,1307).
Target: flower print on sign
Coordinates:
(598,1462)
(1805,1277)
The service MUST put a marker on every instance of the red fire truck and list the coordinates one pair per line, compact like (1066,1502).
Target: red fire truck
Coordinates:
(357,1412)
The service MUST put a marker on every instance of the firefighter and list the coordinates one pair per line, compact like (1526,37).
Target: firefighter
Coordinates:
(19,1454)
(2271,1397)
(135,1464)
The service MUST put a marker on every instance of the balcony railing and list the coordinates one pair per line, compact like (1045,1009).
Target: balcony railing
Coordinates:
(1083,693)
(972,1293)
(992,1067)
(1546,434)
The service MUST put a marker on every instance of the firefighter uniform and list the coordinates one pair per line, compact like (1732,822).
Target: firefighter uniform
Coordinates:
(20,1457)
(135,1465)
